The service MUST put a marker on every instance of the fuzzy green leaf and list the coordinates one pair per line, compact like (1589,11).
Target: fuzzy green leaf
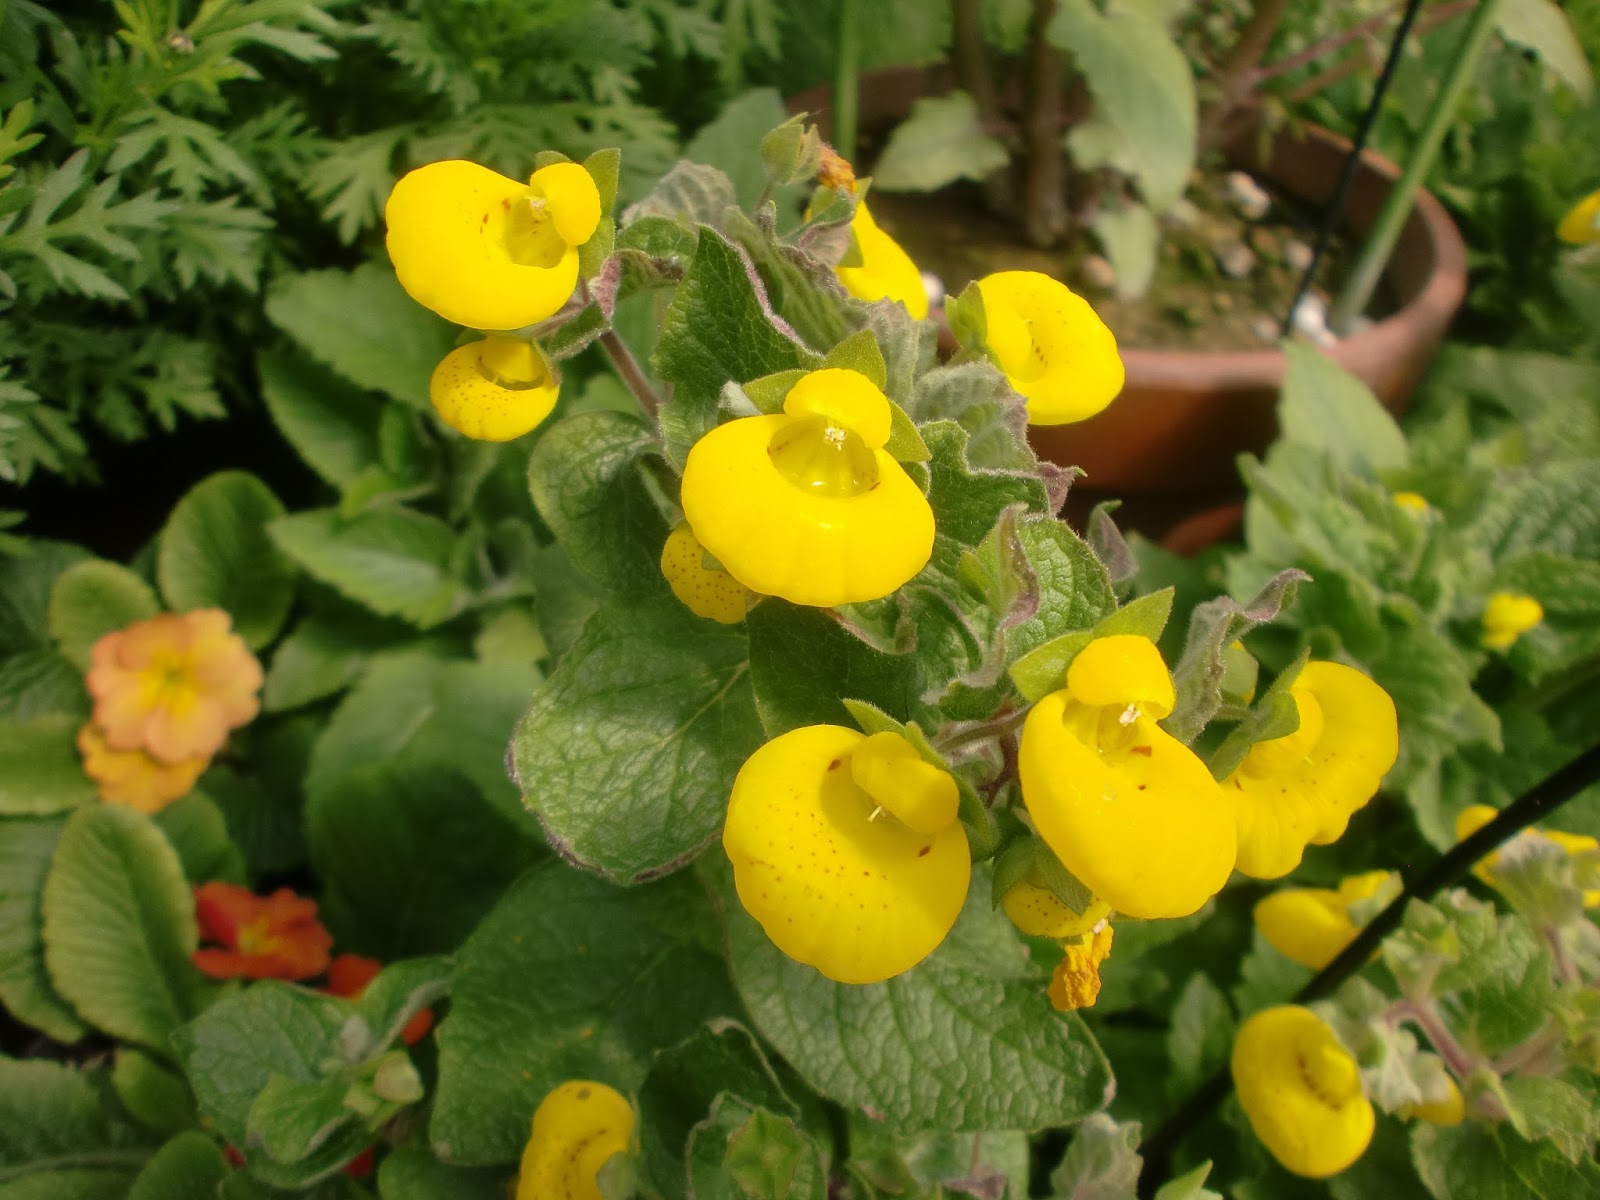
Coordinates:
(26,846)
(91,599)
(940,142)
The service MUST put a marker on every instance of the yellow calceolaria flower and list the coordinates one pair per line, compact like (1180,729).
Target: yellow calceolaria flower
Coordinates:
(494,389)
(1472,819)
(1507,616)
(806,504)
(1301,1090)
(1037,911)
(705,588)
(135,778)
(486,251)
(1055,351)
(1411,502)
(1075,983)
(1301,789)
(1581,225)
(1126,807)
(847,850)
(886,271)
(1312,925)
(577,1128)
(1450,1110)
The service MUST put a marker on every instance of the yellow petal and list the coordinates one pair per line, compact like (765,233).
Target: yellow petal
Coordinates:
(1066,366)
(1581,224)
(886,271)
(493,390)
(1288,794)
(1411,502)
(1037,911)
(706,591)
(1301,1090)
(1449,1110)
(860,897)
(574,200)
(1122,670)
(781,538)
(469,243)
(889,769)
(1507,616)
(1309,925)
(577,1128)
(843,398)
(1133,813)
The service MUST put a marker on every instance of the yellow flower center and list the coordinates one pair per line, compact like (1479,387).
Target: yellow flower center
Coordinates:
(823,458)
(524,226)
(512,364)
(1279,756)
(255,938)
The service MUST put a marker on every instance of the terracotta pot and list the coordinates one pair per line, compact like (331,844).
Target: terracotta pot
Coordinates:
(1167,445)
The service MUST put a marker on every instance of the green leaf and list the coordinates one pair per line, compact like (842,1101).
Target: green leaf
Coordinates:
(1074,591)
(1274,715)
(119,926)
(1144,100)
(1101,1163)
(410,856)
(325,653)
(719,327)
(792,152)
(453,714)
(189,1167)
(967,500)
(331,423)
(1326,408)
(730,141)
(412,1173)
(196,828)
(860,353)
(626,973)
(91,599)
(803,666)
(155,1095)
(363,325)
(1128,233)
(769,1158)
(1201,1037)
(1474,1161)
(396,562)
(1542,27)
(898,1048)
(40,771)
(1545,1108)
(940,142)
(628,752)
(586,482)
(26,846)
(1266,977)
(215,553)
(1043,669)
(690,193)
(57,1141)
(1189,1186)
(263,818)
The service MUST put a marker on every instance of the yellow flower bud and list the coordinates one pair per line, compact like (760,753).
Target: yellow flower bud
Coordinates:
(1581,224)
(1450,1110)
(1472,819)
(486,251)
(1076,981)
(1312,925)
(1507,616)
(1037,911)
(824,862)
(577,1128)
(807,504)
(1056,352)
(1302,789)
(1301,1090)
(494,389)
(706,590)
(886,271)
(1411,502)
(1126,807)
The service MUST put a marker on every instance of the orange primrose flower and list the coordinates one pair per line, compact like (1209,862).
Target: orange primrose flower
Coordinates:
(349,975)
(261,937)
(134,778)
(173,685)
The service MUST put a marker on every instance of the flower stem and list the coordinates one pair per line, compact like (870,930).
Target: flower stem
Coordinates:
(1425,1017)
(1385,231)
(1045,201)
(631,373)
(847,80)
(1243,66)
(1544,798)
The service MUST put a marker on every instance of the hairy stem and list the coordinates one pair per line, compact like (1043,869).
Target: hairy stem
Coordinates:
(1425,1017)
(631,373)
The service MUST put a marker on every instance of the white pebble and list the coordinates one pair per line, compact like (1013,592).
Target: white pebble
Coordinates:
(1248,196)
(1298,255)
(1264,329)
(1182,214)
(1311,319)
(1099,272)
(1236,261)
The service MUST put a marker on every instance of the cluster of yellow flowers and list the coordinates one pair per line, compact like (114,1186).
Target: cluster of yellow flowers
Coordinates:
(166,692)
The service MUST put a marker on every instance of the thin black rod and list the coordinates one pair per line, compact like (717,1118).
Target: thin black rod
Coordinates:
(1542,800)
(1335,206)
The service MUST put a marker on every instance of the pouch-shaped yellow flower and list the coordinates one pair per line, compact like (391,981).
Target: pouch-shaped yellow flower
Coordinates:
(1126,807)
(1037,911)
(1312,925)
(1451,1109)
(1472,819)
(576,1129)
(706,590)
(1055,350)
(886,271)
(847,850)
(1507,616)
(1581,224)
(486,251)
(1302,1091)
(494,389)
(1301,789)
(806,504)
